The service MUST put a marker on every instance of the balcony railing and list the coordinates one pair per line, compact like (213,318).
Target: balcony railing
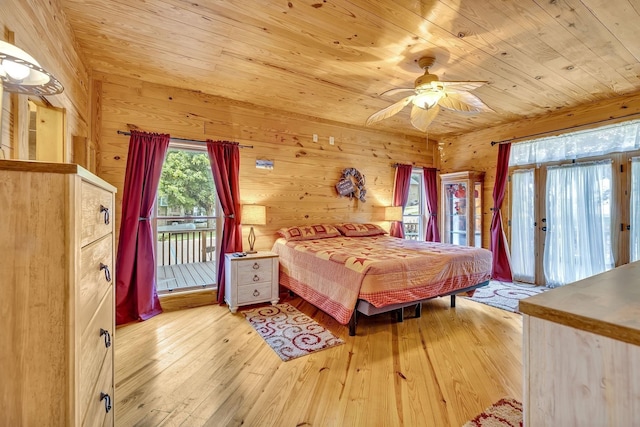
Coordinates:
(186,246)
(186,255)
(411,227)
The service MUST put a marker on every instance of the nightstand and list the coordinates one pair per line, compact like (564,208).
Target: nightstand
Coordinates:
(251,279)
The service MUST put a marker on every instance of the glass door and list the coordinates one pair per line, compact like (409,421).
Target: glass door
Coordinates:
(634,211)
(455,213)
(461,219)
(577,222)
(186,221)
(523,226)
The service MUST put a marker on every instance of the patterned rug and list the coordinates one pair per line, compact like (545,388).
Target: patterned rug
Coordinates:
(506,412)
(289,332)
(505,295)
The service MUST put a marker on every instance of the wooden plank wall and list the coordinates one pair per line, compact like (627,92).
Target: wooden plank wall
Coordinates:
(301,187)
(41,29)
(473,151)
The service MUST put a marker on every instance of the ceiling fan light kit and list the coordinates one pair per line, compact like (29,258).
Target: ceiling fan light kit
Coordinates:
(429,94)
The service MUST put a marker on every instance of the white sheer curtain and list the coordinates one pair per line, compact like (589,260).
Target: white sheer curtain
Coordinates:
(578,221)
(635,209)
(619,137)
(522,226)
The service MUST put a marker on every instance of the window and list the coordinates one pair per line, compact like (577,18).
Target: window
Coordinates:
(414,218)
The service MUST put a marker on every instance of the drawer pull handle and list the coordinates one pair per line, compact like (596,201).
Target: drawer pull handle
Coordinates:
(107,273)
(256,278)
(105,211)
(256,293)
(107,401)
(107,337)
(256,266)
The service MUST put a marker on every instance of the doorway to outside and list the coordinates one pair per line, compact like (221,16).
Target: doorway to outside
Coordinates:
(186,222)
(574,204)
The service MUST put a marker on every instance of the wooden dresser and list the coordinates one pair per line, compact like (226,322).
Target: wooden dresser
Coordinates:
(57,296)
(582,352)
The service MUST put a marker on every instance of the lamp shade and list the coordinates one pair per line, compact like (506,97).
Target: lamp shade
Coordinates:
(20,73)
(393,213)
(254,215)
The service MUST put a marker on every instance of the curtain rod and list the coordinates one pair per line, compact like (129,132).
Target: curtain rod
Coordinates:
(121,132)
(395,165)
(611,119)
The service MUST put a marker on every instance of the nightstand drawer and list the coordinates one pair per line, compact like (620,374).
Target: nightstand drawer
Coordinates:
(254,271)
(258,293)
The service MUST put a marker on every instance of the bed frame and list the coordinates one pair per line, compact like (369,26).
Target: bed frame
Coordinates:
(368,309)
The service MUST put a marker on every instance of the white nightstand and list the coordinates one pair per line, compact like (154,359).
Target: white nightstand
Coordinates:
(251,279)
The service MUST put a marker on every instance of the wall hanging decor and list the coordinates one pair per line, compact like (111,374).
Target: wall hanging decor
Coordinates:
(352,182)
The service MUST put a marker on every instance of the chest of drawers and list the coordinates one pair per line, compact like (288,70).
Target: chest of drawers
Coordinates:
(251,279)
(57,284)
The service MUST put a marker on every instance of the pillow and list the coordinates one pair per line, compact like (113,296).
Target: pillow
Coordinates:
(309,232)
(360,230)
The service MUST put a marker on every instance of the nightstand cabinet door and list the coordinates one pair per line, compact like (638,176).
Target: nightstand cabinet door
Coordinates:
(251,279)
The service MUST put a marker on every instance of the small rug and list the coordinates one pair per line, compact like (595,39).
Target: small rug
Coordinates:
(505,295)
(289,332)
(506,412)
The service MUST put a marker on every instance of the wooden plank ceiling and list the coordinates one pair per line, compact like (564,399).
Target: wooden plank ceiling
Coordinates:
(332,59)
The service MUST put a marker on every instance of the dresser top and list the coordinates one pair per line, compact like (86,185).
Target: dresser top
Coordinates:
(49,167)
(606,304)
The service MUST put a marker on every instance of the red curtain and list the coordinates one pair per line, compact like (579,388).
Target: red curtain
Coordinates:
(225,166)
(136,295)
(400,196)
(501,268)
(431,191)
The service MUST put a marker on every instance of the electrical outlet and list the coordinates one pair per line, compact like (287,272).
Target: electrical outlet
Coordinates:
(331,140)
(315,137)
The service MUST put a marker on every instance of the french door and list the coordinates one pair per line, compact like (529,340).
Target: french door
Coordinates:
(575,219)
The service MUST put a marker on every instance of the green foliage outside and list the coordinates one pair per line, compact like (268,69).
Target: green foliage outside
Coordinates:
(186,182)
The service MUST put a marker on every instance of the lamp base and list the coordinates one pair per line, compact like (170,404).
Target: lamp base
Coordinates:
(252,240)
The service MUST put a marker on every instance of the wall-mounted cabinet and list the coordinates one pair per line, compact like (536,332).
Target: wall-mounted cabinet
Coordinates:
(461,208)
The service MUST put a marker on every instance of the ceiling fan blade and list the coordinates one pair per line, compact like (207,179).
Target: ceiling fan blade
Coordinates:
(390,110)
(421,118)
(464,102)
(458,86)
(397,90)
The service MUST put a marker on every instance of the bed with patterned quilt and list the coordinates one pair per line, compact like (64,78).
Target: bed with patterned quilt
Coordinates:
(348,268)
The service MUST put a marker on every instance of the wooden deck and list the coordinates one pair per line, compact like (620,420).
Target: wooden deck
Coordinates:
(185,276)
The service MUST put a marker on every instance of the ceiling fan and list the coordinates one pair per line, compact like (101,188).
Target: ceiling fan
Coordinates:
(429,95)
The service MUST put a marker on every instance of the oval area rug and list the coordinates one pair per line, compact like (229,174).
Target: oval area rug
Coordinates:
(505,295)
(506,412)
(289,332)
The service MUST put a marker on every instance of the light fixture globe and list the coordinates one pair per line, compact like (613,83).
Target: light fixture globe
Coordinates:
(20,73)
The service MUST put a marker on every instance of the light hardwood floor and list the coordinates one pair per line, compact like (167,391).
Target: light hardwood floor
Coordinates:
(207,367)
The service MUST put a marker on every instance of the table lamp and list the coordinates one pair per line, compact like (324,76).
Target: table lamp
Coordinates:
(253,215)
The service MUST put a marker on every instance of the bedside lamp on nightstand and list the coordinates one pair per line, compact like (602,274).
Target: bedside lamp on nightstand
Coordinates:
(393,213)
(253,215)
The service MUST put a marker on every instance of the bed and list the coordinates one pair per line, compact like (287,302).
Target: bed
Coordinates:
(346,269)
